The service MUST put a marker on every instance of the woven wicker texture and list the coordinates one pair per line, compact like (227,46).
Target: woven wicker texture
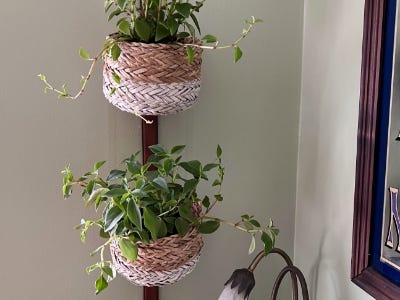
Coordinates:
(164,261)
(155,79)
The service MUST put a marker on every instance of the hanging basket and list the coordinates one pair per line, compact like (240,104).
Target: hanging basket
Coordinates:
(155,79)
(162,262)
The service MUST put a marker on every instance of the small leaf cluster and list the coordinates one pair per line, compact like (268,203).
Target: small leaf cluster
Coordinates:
(140,203)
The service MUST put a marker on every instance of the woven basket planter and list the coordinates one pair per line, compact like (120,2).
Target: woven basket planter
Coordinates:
(162,262)
(155,79)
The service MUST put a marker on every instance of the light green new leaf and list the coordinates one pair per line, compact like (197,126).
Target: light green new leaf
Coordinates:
(252,244)
(129,249)
(98,165)
(116,78)
(190,54)
(84,54)
(208,38)
(115,51)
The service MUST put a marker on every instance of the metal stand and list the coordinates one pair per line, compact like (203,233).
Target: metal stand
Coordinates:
(295,274)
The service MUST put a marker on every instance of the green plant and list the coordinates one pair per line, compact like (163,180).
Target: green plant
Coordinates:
(144,202)
(152,21)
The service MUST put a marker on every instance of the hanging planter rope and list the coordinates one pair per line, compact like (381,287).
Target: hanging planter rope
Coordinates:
(152,79)
(162,262)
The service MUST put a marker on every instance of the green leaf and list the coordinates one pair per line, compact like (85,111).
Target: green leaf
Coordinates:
(98,165)
(115,174)
(255,223)
(116,78)
(190,185)
(142,29)
(183,9)
(192,167)
(134,214)
(206,202)
(109,271)
(196,22)
(158,149)
(208,38)
(209,227)
(115,51)
(129,249)
(237,53)
(122,4)
(209,167)
(152,222)
(125,27)
(190,54)
(112,91)
(177,149)
(185,211)
(191,29)
(117,192)
(216,182)
(219,197)
(252,244)
(100,284)
(162,32)
(94,195)
(219,151)
(112,217)
(84,54)
(182,226)
(161,184)
(268,243)
(91,268)
(172,26)
(114,13)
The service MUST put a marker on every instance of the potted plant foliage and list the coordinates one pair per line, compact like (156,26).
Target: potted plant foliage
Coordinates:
(152,62)
(152,217)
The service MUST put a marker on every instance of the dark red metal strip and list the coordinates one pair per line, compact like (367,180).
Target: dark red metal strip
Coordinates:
(149,137)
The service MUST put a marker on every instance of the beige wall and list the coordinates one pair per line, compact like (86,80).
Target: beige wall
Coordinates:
(327,146)
(251,109)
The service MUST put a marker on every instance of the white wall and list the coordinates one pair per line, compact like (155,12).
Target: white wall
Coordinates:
(327,146)
(251,109)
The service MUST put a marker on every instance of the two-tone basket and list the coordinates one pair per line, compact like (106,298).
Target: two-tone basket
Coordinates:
(162,262)
(153,79)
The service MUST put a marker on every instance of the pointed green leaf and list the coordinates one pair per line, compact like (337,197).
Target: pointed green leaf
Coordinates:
(192,167)
(112,217)
(162,32)
(158,149)
(134,214)
(183,9)
(190,185)
(219,151)
(116,78)
(185,211)
(115,174)
(129,249)
(209,227)
(98,165)
(117,192)
(152,222)
(100,284)
(209,167)
(177,149)
(115,51)
(196,22)
(172,26)
(161,184)
(237,53)
(268,243)
(190,54)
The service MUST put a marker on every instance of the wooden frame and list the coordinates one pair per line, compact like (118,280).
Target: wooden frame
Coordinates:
(362,273)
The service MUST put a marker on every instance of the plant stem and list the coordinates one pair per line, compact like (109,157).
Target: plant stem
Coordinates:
(235,225)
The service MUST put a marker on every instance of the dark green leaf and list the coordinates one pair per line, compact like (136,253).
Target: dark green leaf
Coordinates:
(116,78)
(168,165)
(117,192)
(172,26)
(114,13)
(162,32)
(129,249)
(216,182)
(84,54)
(196,22)
(190,185)
(100,284)
(112,217)
(134,214)
(133,167)
(115,174)
(161,184)
(182,226)
(115,51)
(206,202)
(208,38)
(219,151)
(191,29)
(255,223)
(142,29)
(183,9)
(109,271)
(190,54)
(158,149)
(209,227)
(104,234)
(185,211)
(162,232)
(209,167)
(125,27)
(152,222)
(219,197)
(192,167)
(177,149)
(237,53)
(268,243)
